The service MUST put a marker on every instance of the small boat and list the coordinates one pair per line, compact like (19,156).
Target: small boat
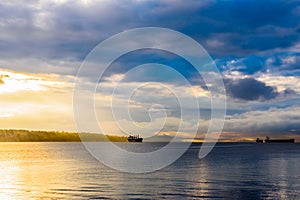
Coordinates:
(134,138)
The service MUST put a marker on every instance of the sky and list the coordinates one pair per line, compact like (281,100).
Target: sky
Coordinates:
(254,44)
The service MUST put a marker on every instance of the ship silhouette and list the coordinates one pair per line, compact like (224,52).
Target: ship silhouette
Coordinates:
(134,138)
(269,140)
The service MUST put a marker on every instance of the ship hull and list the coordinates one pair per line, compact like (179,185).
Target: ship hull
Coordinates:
(135,140)
(280,141)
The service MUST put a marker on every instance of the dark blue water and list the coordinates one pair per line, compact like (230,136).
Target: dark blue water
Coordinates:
(230,171)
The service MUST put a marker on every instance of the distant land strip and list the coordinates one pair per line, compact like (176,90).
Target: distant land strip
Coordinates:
(12,135)
(18,135)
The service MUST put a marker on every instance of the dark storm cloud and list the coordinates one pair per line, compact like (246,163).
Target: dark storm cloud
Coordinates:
(250,89)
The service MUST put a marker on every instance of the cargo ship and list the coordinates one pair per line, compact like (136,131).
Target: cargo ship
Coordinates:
(134,138)
(268,140)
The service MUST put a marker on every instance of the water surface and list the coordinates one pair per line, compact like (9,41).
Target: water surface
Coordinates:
(230,171)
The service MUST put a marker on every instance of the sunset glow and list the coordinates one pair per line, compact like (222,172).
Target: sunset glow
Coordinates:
(29,100)
(46,43)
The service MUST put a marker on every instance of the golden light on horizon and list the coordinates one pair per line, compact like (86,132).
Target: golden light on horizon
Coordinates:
(13,82)
(35,101)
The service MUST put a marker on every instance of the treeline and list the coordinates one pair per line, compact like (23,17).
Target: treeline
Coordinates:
(13,135)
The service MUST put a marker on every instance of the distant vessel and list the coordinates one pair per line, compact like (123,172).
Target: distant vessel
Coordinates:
(268,140)
(259,140)
(134,138)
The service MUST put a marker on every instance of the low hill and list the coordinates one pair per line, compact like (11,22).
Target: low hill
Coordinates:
(54,136)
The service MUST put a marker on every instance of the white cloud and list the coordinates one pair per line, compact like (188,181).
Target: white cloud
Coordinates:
(273,120)
(281,82)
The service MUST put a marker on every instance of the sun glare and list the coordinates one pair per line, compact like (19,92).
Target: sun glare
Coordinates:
(14,82)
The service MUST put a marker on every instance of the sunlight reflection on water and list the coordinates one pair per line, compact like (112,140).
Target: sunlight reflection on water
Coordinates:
(67,171)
